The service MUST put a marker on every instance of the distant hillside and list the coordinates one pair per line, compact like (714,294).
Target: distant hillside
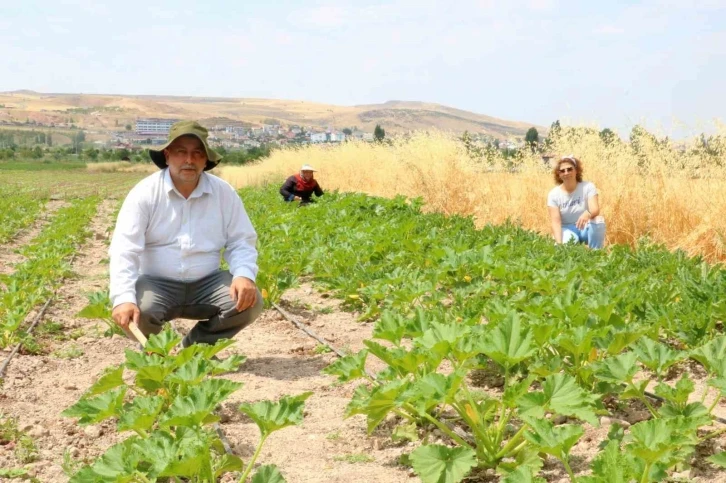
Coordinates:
(114,112)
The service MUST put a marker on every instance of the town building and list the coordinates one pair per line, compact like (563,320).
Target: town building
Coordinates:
(149,126)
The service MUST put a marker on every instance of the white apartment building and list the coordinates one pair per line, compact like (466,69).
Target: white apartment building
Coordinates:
(154,125)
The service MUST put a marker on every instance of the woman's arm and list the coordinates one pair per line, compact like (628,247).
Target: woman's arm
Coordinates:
(593,209)
(593,205)
(556,222)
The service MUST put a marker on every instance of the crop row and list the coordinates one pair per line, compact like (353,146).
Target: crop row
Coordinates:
(567,329)
(167,402)
(17,211)
(47,263)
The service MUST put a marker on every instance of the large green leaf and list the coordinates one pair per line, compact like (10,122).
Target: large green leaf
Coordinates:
(196,407)
(140,414)
(163,342)
(508,344)
(376,403)
(612,466)
(719,459)
(679,394)
(227,463)
(553,440)
(272,416)
(185,453)
(442,338)
(348,368)
(656,356)
(390,327)
(404,361)
(112,378)
(522,474)
(96,409)
(712,355)
(441,464)
(433,389)
(560,394)
(117,465)
(228,364)
(192,372)
(660,441)
(268,474)
(618,369)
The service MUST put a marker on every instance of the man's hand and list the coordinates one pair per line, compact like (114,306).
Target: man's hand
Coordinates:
(244,292)
(297,198)
(125,313)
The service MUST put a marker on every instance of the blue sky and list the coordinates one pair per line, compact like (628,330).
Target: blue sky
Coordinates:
(611,64)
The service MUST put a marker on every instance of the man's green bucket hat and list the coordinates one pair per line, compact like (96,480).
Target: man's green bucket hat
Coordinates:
(186,128)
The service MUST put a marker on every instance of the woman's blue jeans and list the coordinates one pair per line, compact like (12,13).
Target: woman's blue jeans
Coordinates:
(593,234)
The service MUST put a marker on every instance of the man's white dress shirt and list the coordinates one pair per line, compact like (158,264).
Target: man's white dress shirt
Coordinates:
(160,233)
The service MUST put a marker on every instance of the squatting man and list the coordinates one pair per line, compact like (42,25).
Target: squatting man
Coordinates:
(165,251)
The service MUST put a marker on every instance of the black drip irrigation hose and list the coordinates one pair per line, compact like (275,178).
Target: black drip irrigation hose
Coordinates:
(37,319)
(30,329)
(305,329)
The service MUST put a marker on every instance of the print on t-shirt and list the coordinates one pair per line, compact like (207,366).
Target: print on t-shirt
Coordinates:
(571,205)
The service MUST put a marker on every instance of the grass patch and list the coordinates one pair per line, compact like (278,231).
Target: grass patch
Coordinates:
(73,351)
(322,349)
(40,166)
(355,458)
(25,449)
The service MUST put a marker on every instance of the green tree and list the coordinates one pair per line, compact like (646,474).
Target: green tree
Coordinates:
(608,136)
(531,139)
(77,141)
(128,127)
(379,133)
(347,131)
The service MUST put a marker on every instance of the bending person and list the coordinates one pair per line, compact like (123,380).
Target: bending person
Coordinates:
(574,206)
(301,186)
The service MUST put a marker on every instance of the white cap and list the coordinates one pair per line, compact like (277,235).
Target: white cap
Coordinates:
(307,167)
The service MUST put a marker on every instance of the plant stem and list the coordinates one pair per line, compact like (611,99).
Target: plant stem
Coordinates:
(713,434)
(446,430)
(516,439)
(143,478)
(646,473)
(404,415)
(243,479)
(715,401)
(568,469)
(476,428)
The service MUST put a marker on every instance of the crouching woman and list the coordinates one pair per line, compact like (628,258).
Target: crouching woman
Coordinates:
(574,206)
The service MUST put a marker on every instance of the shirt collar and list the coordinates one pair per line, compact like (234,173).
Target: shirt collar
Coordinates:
(204,185)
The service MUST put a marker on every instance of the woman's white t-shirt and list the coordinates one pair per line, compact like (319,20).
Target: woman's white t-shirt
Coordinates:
(574,204)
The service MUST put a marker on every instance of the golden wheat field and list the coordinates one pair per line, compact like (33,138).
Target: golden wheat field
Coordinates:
(672,195)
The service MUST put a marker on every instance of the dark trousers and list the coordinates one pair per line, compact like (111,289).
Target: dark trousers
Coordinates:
(206,300)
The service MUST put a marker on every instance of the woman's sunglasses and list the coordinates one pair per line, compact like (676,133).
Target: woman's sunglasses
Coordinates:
(566,170)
